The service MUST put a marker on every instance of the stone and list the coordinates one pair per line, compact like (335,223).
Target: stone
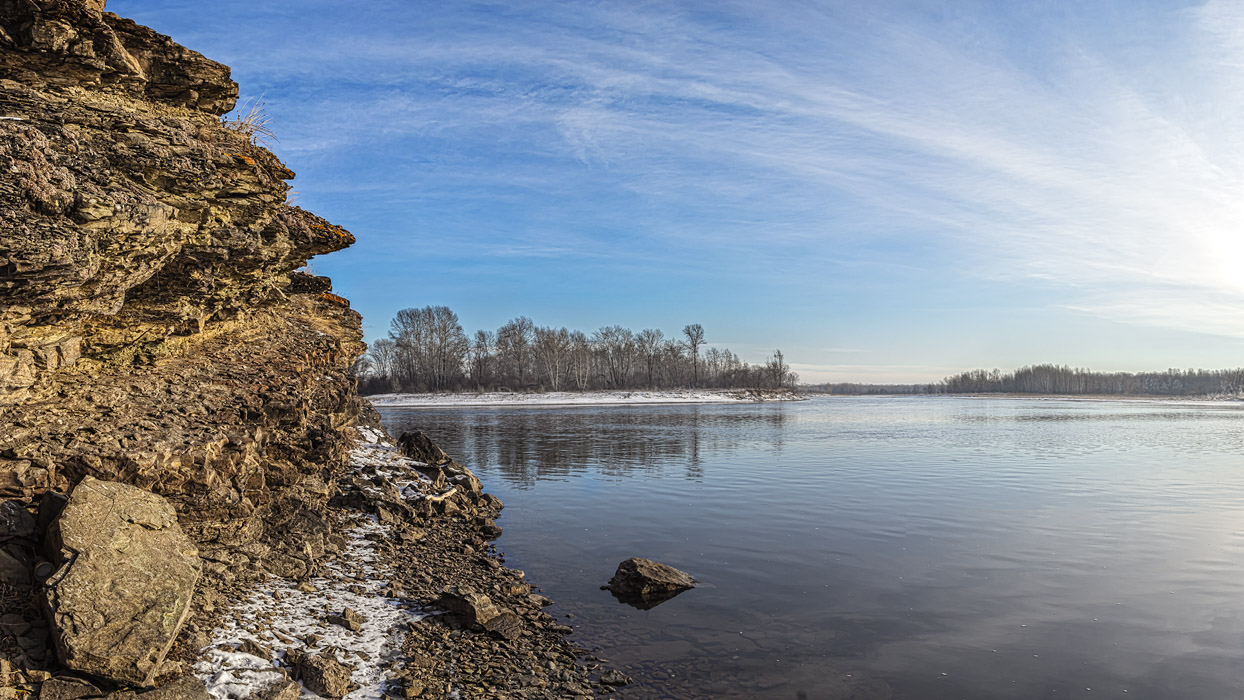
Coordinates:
(490,530)
(184,688)
(469,605)
(68,688)
(644,584)
(123,588)
(506,625)
(281,689)
(15,521)
(250,646)
(324,675)
(13,624)
(419,447)
(412,689)
(614,677)
(348,619)
(14,571)
(539,600)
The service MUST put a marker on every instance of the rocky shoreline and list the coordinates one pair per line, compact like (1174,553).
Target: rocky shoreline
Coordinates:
(194,502)
(453,620)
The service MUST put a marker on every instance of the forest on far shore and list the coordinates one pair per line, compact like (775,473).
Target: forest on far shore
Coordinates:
(427,350)
(1054,379)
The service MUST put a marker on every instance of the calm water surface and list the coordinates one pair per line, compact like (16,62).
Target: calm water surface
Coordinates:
(884,548)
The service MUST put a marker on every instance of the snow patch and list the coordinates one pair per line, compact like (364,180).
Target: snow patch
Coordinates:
(569,398)
(277,615)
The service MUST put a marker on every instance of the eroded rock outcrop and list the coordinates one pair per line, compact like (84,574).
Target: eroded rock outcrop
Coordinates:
(153,330)
(127,573)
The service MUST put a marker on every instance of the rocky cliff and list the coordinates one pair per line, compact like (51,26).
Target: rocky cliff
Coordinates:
(153,328)
(192,496)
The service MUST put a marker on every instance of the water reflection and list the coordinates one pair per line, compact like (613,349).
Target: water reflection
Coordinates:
(526,445)
(884,548)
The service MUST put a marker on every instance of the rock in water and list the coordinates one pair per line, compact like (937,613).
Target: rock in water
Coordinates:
(644,584)
(123,588)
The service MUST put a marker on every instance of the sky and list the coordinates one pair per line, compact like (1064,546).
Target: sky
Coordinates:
(886,191)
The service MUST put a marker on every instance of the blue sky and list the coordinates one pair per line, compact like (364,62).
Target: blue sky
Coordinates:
(887,191)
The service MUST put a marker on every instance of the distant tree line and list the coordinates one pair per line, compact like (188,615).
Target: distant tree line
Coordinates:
(1053,379)
(427,350)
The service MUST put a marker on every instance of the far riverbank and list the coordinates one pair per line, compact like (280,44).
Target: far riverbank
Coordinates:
(586,398)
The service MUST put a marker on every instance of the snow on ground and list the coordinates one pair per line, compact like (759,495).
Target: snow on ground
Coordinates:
(571,398)
(279,615)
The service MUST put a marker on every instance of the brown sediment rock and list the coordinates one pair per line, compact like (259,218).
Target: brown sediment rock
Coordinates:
(153,331)
(644,584)
(125,581)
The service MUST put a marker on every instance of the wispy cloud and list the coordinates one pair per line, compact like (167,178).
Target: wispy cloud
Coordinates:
(1095,151)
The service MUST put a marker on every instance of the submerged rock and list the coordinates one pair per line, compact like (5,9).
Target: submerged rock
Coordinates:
(126,576)
(644,584)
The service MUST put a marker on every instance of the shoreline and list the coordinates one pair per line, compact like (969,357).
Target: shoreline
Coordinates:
(500,399)
(1100,398)
(415,563)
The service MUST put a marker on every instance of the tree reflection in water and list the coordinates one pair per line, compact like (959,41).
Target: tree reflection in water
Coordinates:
(527,445)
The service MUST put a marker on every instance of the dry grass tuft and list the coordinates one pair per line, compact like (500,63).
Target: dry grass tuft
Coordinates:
(250,118)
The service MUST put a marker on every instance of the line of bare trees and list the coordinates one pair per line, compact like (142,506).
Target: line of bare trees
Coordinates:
(427,350)
(1055,379)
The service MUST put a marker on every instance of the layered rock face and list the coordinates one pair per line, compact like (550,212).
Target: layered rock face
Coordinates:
(153,330)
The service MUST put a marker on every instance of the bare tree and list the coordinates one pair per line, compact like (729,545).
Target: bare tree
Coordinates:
(777,369)
(553,352)
(482,358)
(427,351)
(695,338)
(649,343)
(514,341)
(580,360)
(431,347)
(617,346)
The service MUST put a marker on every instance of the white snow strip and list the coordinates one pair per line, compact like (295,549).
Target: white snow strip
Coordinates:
(279,616)
(570,398)
(294,614)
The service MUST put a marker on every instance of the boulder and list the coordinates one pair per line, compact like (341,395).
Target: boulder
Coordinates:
(475,608)
(507,625)
(419,447)
(68,688)
(324,675)
(184,688)
(644,584)
(615,678)
(471,606)
(348,619)
(122,590)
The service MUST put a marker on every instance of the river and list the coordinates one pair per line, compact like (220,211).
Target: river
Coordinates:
(909,547)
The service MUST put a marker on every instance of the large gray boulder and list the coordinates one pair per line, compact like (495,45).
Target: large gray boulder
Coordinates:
(644,584)
(123,588)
